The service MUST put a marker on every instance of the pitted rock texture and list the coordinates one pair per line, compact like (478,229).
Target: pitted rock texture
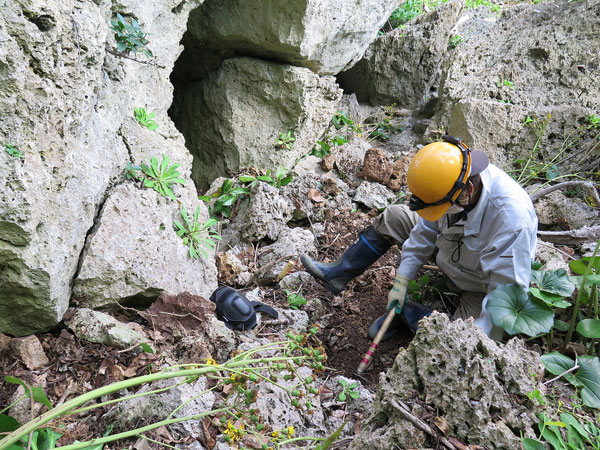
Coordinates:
(64,96)
(233,118)
(402,66)
(326,37)
(479,387)
(134,252)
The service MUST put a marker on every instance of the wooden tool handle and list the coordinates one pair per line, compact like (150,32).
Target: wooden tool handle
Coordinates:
(369,354)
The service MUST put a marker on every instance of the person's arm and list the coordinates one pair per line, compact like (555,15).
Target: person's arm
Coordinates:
(507,261)
(418,248)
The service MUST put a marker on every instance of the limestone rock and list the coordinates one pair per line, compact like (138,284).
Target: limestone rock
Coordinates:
(570,213)
(185,398)
(134,251)
(349,159)
(30,351)
(550,256)
(398,175)
(373,195)
(232,271)
(479,387)
(233,118)
(376,166)
(267,214)
(325,37)
(520,73)
(98,327)
(386,74)
(291,244)
(63,99)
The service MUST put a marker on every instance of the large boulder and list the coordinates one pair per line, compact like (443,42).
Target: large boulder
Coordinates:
(324,36)
(477,386)
(234,117)
(134,252)
(534,60)
(402,66)
(64,95)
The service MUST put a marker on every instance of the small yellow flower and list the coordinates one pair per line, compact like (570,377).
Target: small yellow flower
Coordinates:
(210,361)
(290,431)
(275,434)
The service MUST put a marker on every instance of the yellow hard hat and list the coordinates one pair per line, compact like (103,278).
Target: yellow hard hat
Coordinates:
(437,175)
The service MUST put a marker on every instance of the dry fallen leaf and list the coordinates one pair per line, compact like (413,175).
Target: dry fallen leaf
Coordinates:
(315,196)
(442,425)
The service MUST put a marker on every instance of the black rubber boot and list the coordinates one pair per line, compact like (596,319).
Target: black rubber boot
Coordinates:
(409,319)
(356,259)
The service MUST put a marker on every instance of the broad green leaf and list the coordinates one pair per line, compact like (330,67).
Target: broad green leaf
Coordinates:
(553,281)
(204,198)
(533,444)
(513,310)
(49,438)
(38,393)
(557,364)
(588,375)
(354,394)
(146,348)
(571,421)
(549,299)
(246,178)
(8,423)
(589,328)
(589,280)
(579,266)
(561,325)
(342,397)
(226,186)
(552,172)
(536,265)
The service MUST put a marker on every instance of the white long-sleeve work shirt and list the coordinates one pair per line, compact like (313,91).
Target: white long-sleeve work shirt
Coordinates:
(493,246)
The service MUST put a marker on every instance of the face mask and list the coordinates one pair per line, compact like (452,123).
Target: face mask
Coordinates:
(455,209)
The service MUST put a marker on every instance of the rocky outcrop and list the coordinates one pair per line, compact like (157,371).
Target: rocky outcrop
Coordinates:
(326,37)
(402,66)
(64,96)
(549,74)
(234,117)
(477,386)
(134,252)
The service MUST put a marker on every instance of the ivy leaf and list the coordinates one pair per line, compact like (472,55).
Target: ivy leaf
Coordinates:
(513,310)
(38,393)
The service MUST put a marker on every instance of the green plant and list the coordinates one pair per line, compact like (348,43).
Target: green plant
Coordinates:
(145,119)
(12,150)
(283,177)
(158,176)
(196,235)
(504,82)
(347,390)
(295,299)
(577,434)
(130,38)
(233,415)
(133,172)
(285,140)
(594,121)
(455,40)
(470,4)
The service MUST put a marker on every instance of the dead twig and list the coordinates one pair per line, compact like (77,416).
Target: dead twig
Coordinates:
(572,369)
(403,409)
(583,234)
(588,185)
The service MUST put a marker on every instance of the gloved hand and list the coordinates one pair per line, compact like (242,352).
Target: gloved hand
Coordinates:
(397,295)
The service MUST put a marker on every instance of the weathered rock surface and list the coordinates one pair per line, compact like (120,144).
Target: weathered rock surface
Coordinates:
(480,388)
(402,66)
(233,118)
(373,195)
(96,326)
(63,98)
(326,37)
(519,73)
(134,253)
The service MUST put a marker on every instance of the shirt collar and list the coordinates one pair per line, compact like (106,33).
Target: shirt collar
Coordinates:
(473,223)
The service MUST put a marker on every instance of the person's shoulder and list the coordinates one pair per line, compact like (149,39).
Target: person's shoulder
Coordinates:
(509,198)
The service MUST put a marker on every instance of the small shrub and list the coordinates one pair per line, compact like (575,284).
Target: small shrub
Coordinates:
(196,236)
(295,299)
(130,38)
(455,40)
(145,119)
(12,150)
(158,176)
(285,140)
